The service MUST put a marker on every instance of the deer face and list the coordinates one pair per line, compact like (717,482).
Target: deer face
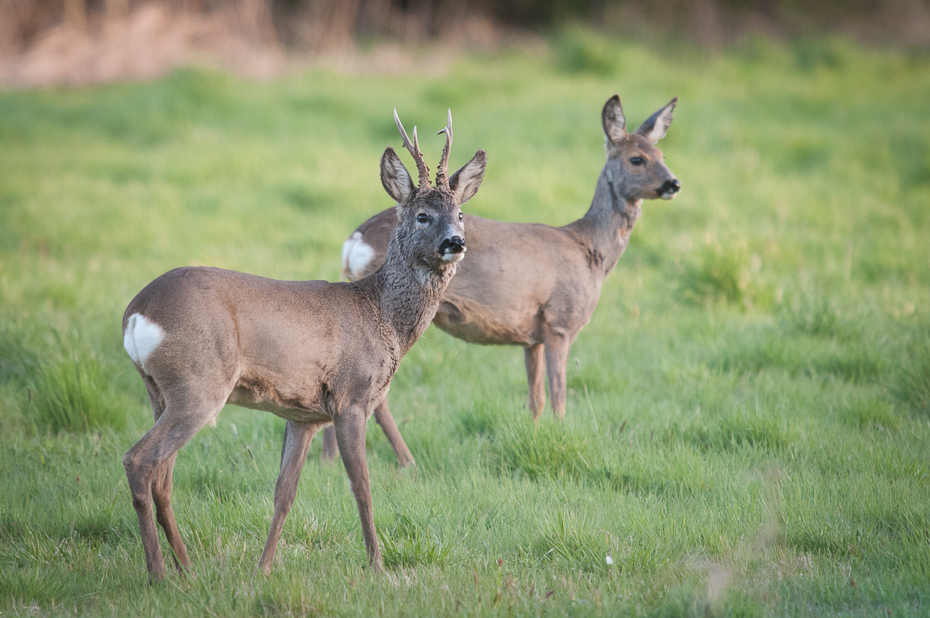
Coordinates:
(635,167)
(430,218)
(431,225)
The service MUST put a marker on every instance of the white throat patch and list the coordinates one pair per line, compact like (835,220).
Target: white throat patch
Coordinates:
(141,338)
(454,257)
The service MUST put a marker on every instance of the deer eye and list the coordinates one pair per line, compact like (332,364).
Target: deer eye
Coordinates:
(461,216)
(422,218)
(637,160)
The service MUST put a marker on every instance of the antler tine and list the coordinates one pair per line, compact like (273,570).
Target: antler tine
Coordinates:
(414,149)
(442,174)
(403,134)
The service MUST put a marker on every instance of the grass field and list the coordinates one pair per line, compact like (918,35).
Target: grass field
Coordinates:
(748,425)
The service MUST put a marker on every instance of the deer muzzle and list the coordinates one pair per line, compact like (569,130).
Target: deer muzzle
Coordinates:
(452,249)
(669,189)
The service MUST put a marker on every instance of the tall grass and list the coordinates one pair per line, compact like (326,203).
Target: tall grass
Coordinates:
(546,450)
(911,379)
(61,381)
(573,543)
(73,393)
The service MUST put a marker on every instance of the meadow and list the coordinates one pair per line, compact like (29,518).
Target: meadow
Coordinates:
(748,421)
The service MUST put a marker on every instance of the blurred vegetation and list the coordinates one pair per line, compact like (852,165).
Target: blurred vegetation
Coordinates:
(317,25)
(747,421)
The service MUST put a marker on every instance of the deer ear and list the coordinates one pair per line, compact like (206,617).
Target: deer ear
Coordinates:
(657,125)
(394,177)
(465,182)
(614,120)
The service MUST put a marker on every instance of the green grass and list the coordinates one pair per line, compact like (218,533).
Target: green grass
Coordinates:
(748,415)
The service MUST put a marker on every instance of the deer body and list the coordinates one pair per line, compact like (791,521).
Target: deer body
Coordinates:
(299,351)
(529,302)
(534,285)
(312,352)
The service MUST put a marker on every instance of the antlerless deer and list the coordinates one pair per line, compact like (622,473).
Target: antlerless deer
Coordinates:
(530,284)
(311,352)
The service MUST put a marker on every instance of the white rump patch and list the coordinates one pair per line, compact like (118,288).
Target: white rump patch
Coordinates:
(141,338)
(356,255)
(347,248)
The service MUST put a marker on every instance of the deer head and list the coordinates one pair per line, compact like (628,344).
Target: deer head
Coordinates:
(430,217)
(635,167)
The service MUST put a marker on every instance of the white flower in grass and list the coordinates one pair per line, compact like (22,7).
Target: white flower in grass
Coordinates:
(610,560)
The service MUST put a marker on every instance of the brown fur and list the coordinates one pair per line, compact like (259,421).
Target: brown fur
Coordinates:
(536,286)
(311,352)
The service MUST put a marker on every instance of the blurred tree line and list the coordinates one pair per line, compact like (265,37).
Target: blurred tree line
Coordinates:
(315,25)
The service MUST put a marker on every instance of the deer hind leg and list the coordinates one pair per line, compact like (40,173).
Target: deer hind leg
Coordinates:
(161,486)
(536,377)
(330,446)
(297,439)
(150,462)
(161,493)
(557,348)
(386,421)
(350,433)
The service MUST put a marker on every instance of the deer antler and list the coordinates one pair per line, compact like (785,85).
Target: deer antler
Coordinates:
(414,149)
(442,174)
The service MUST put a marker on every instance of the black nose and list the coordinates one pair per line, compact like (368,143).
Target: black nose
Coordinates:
(670,186)
(456,244)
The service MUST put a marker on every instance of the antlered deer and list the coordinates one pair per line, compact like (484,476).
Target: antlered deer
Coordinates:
(530,284)
(311,352)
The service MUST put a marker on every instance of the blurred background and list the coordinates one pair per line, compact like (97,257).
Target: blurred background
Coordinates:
(94,41)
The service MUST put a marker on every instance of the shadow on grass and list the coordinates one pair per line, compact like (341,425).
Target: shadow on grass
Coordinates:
(863,412)
(733,434)
(818,317)
(101,528)
(801,357)
(560,452)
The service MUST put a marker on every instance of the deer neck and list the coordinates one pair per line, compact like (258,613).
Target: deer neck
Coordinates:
(408,296)
(605,229)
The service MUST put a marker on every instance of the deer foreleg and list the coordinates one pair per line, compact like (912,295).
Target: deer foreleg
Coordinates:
(297,439)
(536,377)
(386,421)
(350,433)
(557,348)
